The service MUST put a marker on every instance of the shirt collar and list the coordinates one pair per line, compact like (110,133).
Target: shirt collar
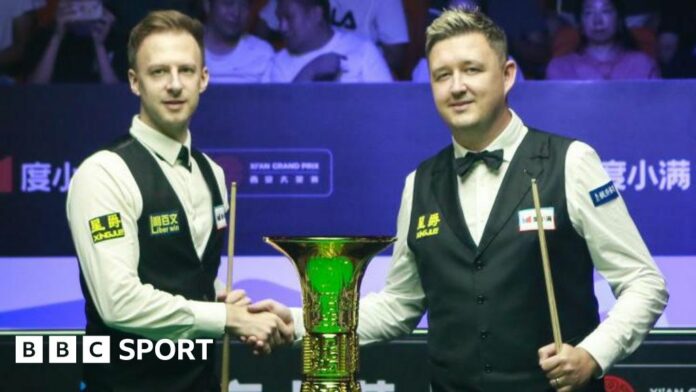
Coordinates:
(508,140)
(162,145)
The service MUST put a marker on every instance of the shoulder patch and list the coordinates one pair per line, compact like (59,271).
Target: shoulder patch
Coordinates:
(604,194)
(106,227)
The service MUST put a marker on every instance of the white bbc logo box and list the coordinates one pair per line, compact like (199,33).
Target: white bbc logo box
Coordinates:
(97,349)
(62,349)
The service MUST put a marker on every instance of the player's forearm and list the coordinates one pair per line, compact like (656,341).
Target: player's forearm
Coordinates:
(633,315)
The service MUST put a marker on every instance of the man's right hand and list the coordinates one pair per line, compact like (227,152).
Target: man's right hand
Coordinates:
(287,329)
(324,68)
(267,328)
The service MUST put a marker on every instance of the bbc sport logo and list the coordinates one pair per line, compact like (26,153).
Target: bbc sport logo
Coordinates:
(97,349)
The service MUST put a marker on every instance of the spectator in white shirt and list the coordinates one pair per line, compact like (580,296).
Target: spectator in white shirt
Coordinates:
(315,51)
(232,56)
(381,21)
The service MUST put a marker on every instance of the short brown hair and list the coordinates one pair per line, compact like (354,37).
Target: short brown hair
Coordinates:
(464,20)
(159,22)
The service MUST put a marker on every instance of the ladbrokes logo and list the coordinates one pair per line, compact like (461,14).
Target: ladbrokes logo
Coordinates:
(97,349)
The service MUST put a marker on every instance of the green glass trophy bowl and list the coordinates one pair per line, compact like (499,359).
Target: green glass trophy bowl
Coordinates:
(331,270)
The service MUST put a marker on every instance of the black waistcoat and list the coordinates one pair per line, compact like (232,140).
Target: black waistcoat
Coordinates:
(168,262)
(487,308)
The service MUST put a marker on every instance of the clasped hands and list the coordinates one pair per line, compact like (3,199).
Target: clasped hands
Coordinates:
(261,325)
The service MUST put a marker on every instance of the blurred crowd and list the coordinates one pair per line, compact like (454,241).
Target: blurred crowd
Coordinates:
(279,41)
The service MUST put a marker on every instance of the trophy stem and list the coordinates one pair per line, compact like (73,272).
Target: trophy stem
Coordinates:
(330,271)
(330,358)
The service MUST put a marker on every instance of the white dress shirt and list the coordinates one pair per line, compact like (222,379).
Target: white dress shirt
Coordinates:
(103,185)
(617,250)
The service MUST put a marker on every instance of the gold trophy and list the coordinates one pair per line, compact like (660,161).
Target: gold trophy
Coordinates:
(331,270)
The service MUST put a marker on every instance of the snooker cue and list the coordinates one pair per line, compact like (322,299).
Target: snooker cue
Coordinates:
(225,373)
(555,323)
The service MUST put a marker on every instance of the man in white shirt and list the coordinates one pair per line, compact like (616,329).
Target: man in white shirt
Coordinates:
(315,51)
(381,21)
(147,216)
(231,55)
(468,250)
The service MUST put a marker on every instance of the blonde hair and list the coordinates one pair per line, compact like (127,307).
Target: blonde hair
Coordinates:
(464,20)
(159,22)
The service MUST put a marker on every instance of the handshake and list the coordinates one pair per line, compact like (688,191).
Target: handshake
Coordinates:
(262,325)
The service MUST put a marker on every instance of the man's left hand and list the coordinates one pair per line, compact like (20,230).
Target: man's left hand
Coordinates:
(568,370)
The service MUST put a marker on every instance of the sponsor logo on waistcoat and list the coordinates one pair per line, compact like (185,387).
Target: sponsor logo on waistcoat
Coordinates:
(163,223)
(428,225)
(528,219)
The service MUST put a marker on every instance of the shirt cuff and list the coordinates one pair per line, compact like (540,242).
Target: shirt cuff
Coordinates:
(602,351)
(209,318)
(298,321)
(220,287)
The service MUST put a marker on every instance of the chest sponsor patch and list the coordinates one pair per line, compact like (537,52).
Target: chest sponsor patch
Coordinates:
(428,225)
(220,221)
(604,194)
(528,219)
(107,227)
(163,223)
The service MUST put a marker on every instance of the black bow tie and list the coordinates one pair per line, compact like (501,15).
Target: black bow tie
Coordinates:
(492,159)
(183,157)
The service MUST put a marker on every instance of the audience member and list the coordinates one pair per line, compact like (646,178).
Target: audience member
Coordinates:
(76,49)
(607,50)
(315,51)
(381,21)
(641,20)
(231,55)
(15,28)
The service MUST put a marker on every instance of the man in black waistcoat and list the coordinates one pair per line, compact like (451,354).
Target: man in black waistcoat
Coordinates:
(468,250)
(147,216)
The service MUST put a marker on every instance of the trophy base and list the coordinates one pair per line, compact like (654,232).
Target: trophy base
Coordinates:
(330,386)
